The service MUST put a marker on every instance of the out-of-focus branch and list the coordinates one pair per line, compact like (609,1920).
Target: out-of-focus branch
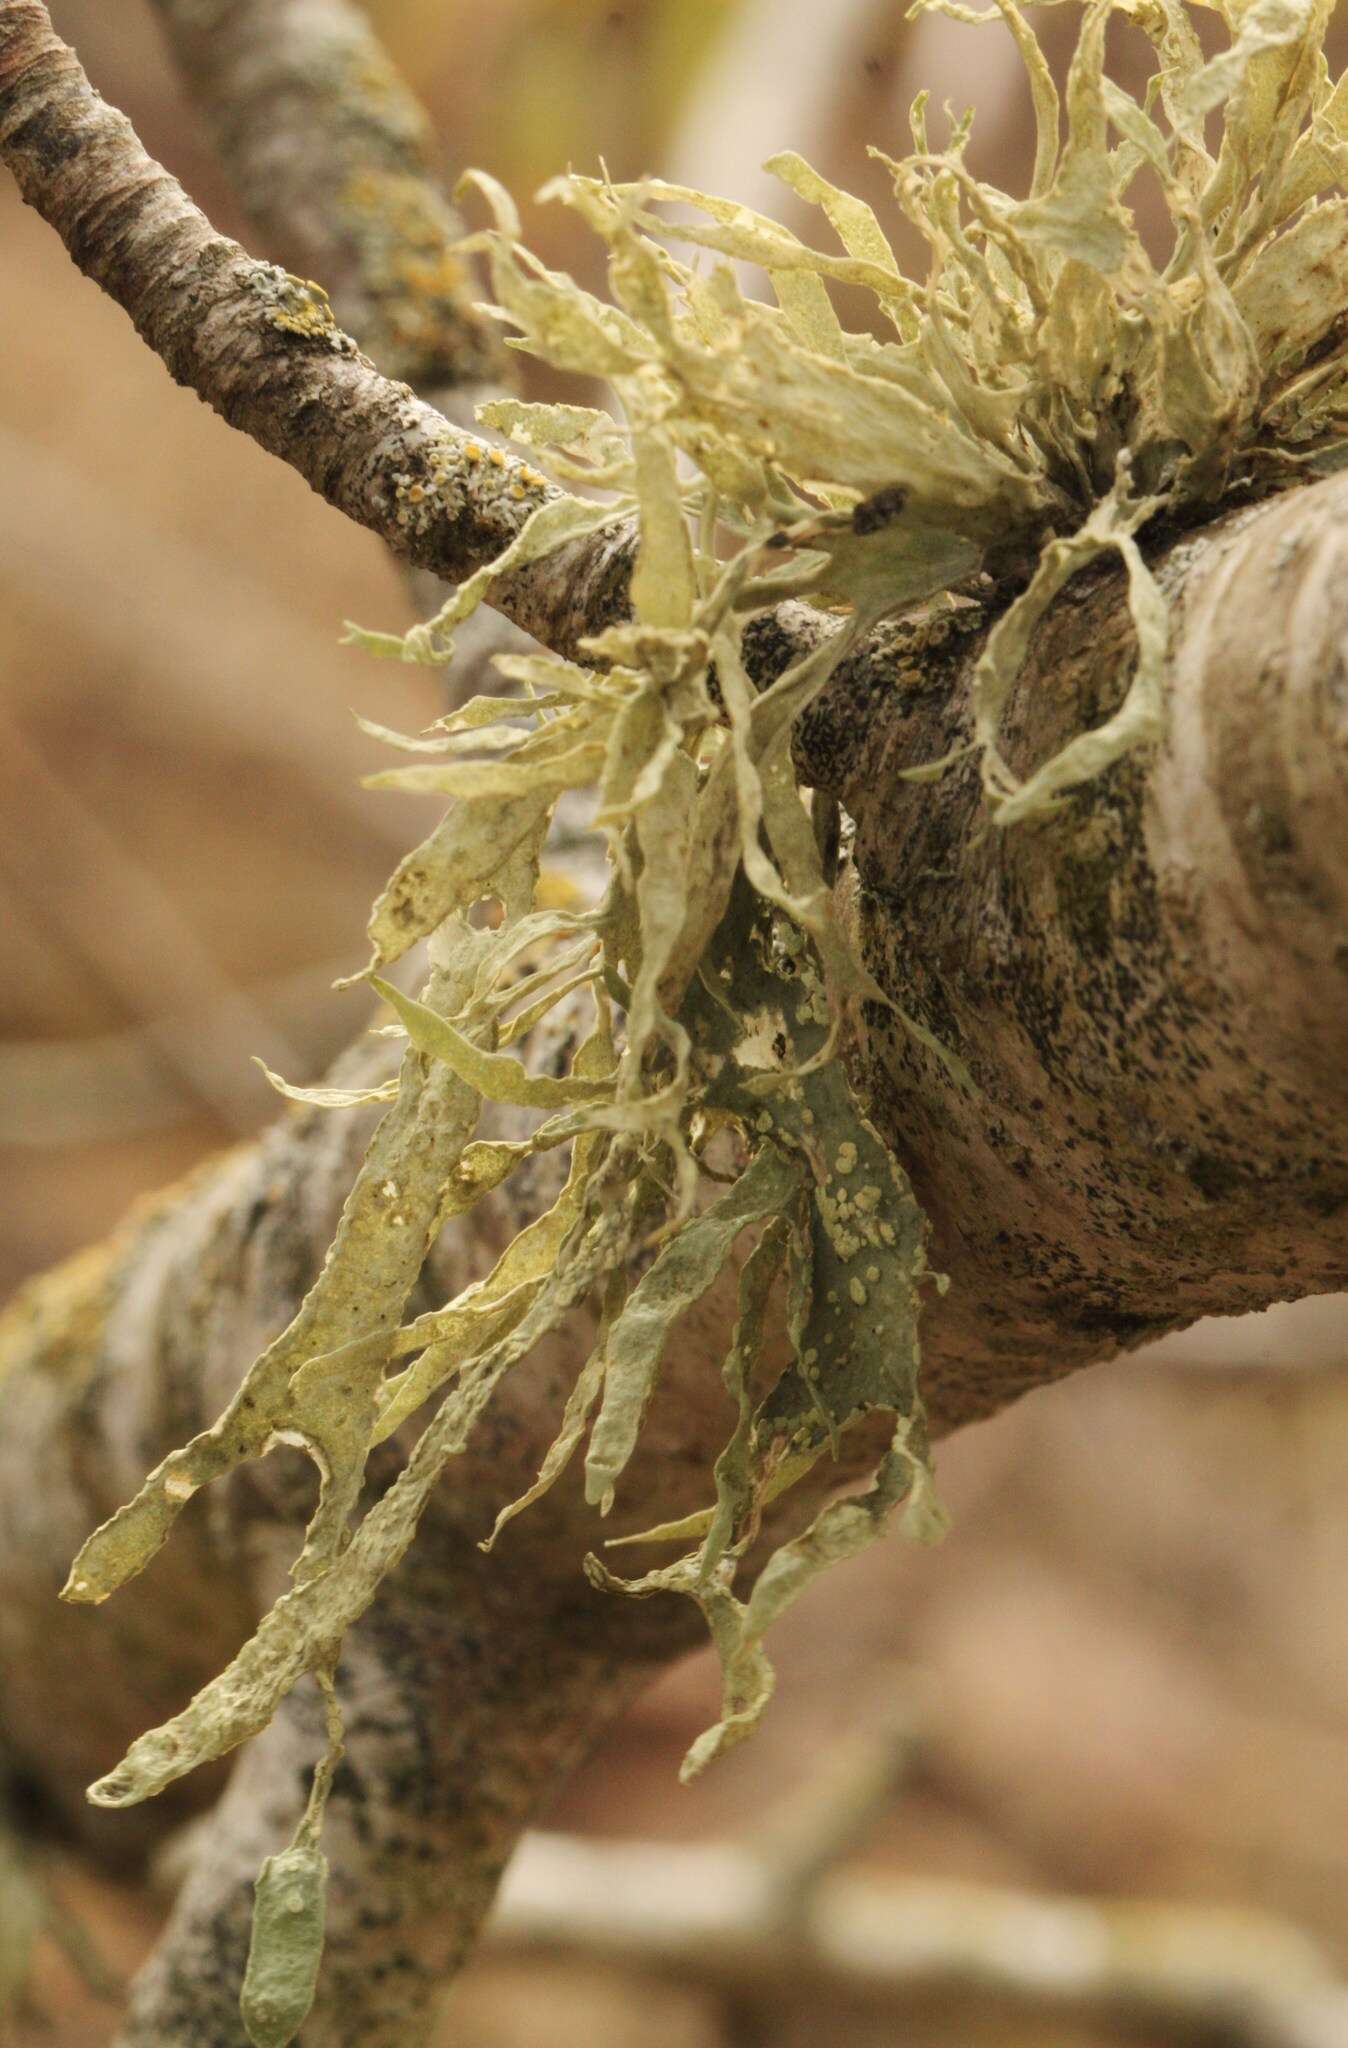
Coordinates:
(1229,1978)
(121,920)
(208,665)
(331,155)
(333,159)
(118,1084)
(735,120)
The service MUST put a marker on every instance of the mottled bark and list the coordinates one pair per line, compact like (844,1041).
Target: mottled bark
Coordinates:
(466,1698)
(333,160)
(1149,990)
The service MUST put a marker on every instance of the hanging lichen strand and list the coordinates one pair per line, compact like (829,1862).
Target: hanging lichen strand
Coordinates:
(1046,391)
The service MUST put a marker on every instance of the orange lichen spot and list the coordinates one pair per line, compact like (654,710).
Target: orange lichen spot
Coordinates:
(495,455)
(436,276)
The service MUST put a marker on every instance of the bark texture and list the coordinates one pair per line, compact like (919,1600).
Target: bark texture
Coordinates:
(334,161)
(1149,990)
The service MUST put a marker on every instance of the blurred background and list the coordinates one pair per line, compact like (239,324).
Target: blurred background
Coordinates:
(1126,1667)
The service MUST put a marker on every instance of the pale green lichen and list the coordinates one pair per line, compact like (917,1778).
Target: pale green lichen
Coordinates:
(286,1946)
(1050,388)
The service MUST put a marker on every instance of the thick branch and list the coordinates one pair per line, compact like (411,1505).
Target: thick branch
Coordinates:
(1148,989)
(1149,993)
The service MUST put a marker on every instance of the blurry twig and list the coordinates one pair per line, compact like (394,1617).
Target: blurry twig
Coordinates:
(221,658)
(30,1908)
(22,1909)
(1231,1979)
(811,1830)
(83,1091)
(75,875)
(779,1917)
(333,158)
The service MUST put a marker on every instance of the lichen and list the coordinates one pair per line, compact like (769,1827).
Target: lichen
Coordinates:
(295,306)
(400,231)
(1047,392)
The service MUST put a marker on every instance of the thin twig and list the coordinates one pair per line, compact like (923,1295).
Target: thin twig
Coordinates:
(117,915)
(226,662)
(119,1084)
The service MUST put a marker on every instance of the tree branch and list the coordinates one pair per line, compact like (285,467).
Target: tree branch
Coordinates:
(1147,990)
(333,158)
(713,1914)
(263,350)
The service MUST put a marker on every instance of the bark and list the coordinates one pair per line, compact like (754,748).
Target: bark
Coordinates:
(1148,991)
(263,349)
(334,161)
